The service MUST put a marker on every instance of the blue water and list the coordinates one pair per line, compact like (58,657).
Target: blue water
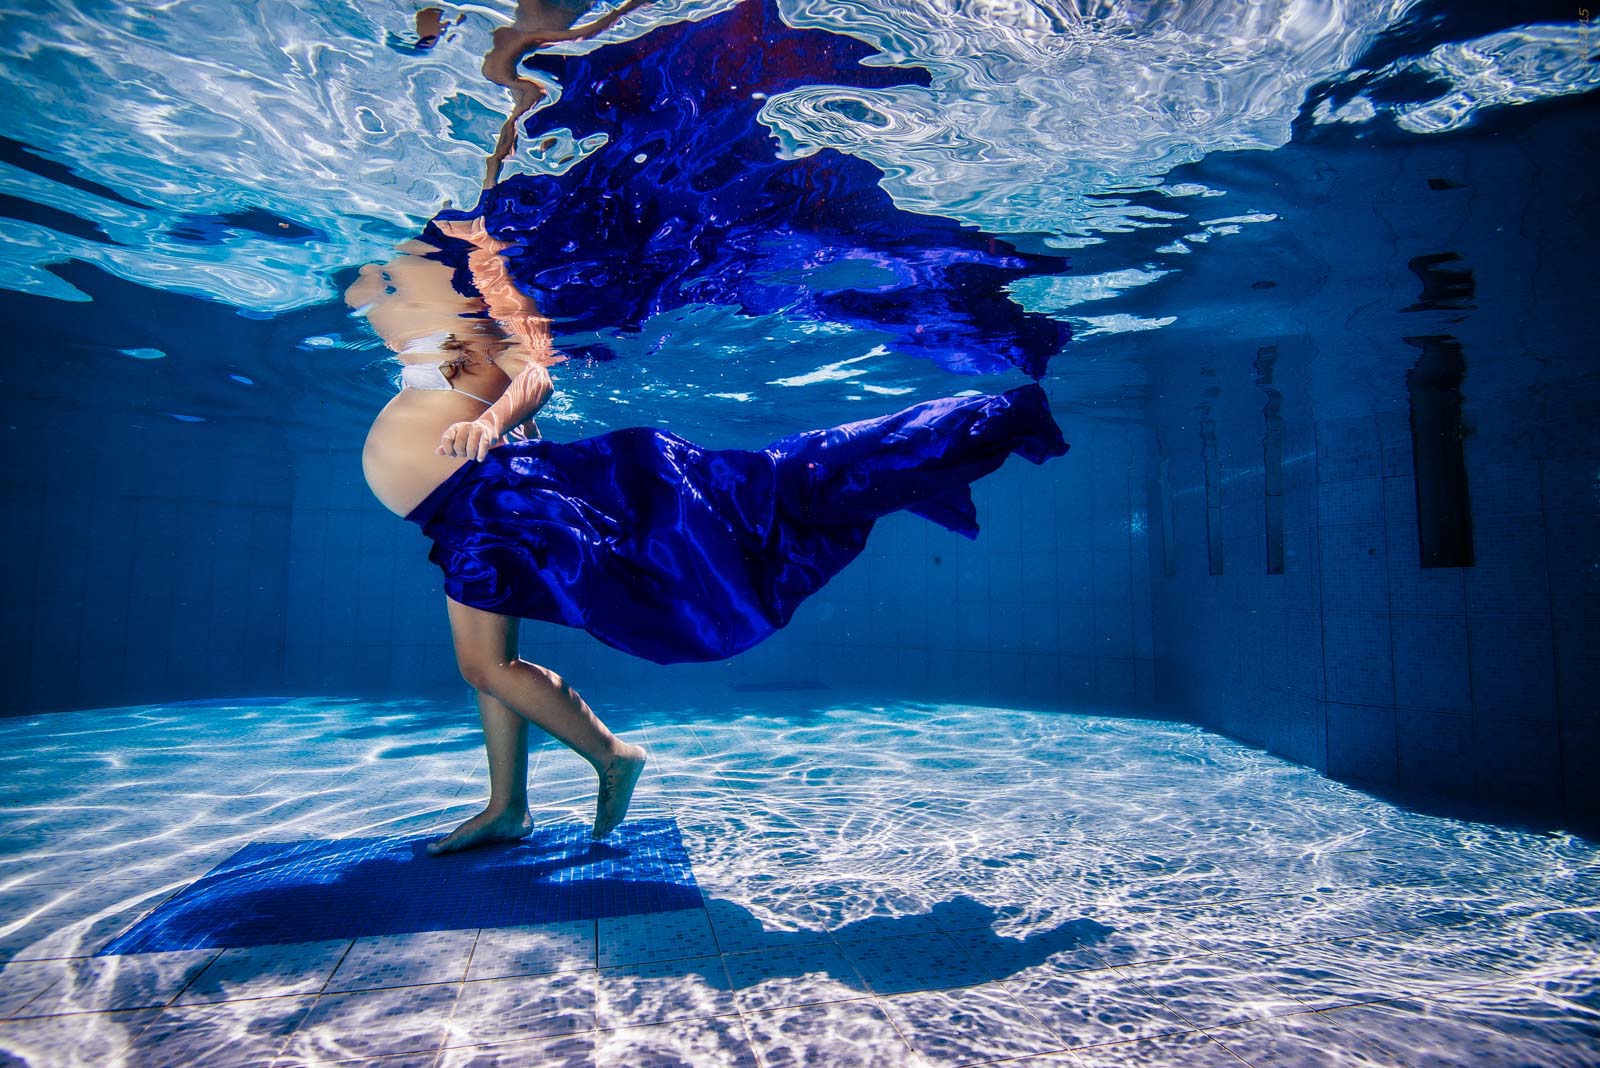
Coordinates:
(1306,618)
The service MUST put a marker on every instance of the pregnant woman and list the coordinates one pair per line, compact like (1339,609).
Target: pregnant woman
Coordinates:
(650,543)
(653,545)
(464,386)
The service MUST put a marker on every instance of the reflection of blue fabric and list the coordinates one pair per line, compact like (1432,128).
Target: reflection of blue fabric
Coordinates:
(672,552)
(687,202)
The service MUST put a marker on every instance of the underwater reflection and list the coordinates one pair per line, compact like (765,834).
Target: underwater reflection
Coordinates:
(665,190)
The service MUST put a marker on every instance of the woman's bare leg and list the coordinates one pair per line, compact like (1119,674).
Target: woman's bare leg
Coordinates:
(506,818)
(486,652)
(505,737)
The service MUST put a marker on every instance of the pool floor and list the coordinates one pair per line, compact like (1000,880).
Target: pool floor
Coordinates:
(882,884)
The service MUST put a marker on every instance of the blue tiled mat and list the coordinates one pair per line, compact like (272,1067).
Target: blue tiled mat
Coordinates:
(270,893)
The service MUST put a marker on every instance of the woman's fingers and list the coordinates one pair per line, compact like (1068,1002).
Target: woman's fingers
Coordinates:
(485,436)
(469,441)
(453,441)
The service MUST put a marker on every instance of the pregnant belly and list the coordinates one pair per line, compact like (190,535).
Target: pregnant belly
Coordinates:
(399,459)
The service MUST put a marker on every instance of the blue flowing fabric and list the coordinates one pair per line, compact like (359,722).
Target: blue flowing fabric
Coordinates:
(687,202)
(674,553)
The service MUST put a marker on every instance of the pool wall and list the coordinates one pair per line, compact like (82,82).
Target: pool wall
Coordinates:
(145,557)
(1475,679)
(154,559)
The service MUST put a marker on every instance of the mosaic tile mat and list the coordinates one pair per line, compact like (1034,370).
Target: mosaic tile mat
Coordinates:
(270,893)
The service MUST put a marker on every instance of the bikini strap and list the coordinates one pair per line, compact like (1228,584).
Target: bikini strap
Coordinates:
(451,383)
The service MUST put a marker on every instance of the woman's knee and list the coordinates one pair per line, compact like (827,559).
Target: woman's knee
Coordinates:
(483,673)
(485,643)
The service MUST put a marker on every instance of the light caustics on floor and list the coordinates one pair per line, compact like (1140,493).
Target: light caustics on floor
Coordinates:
(883,885)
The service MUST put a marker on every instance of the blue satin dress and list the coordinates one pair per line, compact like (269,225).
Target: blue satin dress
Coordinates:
(676,553)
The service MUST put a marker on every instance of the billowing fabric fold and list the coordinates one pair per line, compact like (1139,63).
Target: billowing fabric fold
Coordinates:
(676,553)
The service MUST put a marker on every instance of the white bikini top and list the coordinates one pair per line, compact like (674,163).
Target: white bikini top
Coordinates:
(430,375)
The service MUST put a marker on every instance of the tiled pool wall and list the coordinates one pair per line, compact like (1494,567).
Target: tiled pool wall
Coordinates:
(145,556)
(197,608)
(1475,678)
(153,559)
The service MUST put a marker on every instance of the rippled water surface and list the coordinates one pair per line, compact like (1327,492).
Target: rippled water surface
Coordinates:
(258,155)
(1037,117)
(881,883)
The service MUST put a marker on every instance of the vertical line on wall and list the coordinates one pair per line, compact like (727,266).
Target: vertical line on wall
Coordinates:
(1163,499)
(1213,471)
(1133,635)
(1322,624)
(1555,658)
(1388,599)
(1438,461)
(1271,456)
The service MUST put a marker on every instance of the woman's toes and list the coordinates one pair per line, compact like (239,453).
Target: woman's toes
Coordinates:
(616,791)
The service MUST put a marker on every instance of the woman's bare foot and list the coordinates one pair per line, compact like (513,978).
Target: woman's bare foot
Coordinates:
(507,825)
(617,780)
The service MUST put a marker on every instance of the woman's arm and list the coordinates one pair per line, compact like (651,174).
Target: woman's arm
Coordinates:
(527,353)
(528,392)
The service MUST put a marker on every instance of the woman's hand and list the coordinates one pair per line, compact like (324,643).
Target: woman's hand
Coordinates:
(471,441)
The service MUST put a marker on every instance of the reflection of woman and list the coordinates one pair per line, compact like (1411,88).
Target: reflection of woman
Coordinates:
(653,545)
(536,24)
(681,197)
